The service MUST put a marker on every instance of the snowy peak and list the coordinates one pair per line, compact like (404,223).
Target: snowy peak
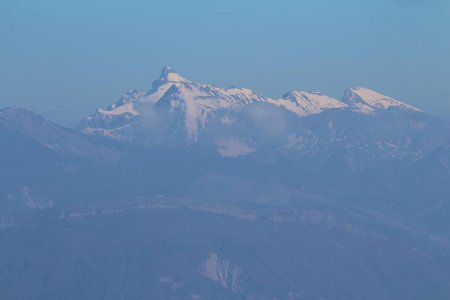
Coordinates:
(167,79)
(168,75)
(308,103)
(365,100)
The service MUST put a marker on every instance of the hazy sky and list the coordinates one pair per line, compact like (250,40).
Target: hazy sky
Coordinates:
(64,59)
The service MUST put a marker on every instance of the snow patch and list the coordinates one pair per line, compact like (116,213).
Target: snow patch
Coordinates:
(33,202)
(224,272)
(120,110)
(234,147)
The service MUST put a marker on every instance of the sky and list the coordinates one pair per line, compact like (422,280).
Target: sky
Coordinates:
(65,59)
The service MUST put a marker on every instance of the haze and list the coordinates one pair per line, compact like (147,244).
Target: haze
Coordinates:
(64,60)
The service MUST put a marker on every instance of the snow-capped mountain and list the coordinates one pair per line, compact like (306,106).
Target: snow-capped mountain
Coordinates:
(197,103)
(367,101)
(193,103)
(238,121)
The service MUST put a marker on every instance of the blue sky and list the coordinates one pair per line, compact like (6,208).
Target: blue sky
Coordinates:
(64,59)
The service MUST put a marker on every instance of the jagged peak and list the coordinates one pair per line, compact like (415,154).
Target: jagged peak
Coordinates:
(130,96)
(169,75)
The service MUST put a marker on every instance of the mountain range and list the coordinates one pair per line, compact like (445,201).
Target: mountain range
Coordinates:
(191,191)
(234,121)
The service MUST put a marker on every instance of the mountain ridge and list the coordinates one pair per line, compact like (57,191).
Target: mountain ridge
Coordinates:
(186,111)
